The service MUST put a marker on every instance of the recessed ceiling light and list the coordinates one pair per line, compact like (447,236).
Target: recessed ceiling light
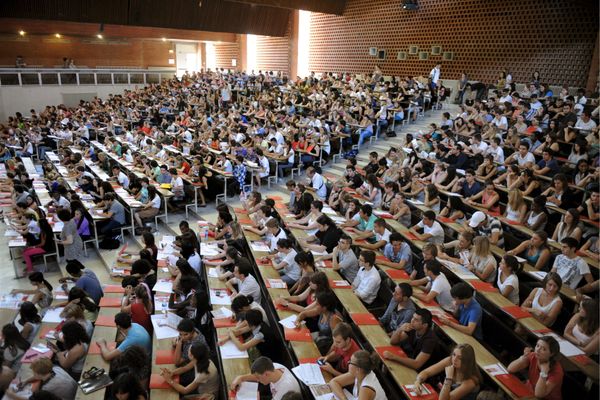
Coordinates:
(164,39)
(22,33)
(57,35)
(99,36)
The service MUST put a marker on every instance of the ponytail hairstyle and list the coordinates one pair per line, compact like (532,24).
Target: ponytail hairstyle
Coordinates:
(365,360)
(38,277)
(512,263)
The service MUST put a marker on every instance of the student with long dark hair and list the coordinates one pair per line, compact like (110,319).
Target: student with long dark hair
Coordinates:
(76,343)
(13,345)
(206,376)
(29,320)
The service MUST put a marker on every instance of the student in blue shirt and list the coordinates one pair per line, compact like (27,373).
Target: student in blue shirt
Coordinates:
(397,253)
(468,311)
(135,335)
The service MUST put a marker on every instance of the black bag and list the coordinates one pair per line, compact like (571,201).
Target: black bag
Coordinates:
(109,243)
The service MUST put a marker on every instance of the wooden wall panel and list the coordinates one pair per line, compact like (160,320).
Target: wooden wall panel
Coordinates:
(274,53)
(225,52)
(556,37)
(48,52)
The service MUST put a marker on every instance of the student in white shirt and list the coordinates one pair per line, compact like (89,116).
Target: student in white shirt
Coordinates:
(570,266)
(274,234)
(508,281)
(382,236)
(367,281)
(361,376)
(317,182)
(436,286)
(279,379)
(247,284)
(285,262)
(120,177)
(265,166)
(432,230)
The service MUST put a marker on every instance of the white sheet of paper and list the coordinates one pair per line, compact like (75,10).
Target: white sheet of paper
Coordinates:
(310,374)
(172,259)
(415,202)
(247,391)
(341,283)
(53,315)
(229,350)
(212,273)
(163,326)
(521,260)
(289,322)
(412,392)
(277,284)
(207,249)
(40,348)
(259,246)
(163,286)
(538,274)
(219,297)
(222,312)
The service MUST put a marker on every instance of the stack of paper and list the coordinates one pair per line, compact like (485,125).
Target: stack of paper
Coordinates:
(221,313)
(219,297)
(567,348)
(260,246)
(495,369)
(229,350)
(309,374)
(207,249)
(163,286)
(289,322)
(53,315)
(165,325)
(212,273)
(247,391)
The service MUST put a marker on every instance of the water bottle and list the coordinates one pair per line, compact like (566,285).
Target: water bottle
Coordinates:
(206,233)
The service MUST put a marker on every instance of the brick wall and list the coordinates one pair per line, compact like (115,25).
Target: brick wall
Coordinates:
(48,51)
(225,52)
(273,53)
(556,37)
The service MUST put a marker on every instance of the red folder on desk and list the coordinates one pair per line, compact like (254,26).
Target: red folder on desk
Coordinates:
(123,249)
(397,273)
(515,385)
(511,222)
(364,319)
(223,322)
(392,349)
(110,302)
(106,320)
(481,286)
(516,312)
(432,395)
(297,335)
(445,220)
(280,206)
(431,303)
(411,236)
(239,211)
(95,349)
(44,331)
(339,284)
(158,382)
(308,360)
(165,357)
(581,359)
(245,221)
(113,289)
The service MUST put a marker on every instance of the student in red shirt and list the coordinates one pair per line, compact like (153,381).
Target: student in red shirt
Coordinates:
(341,351)
(545,374)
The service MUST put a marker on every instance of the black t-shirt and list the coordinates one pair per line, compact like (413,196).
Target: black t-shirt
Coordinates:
(414,345)
(355,182)
(329,238)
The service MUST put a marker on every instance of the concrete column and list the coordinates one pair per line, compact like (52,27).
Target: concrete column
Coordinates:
(293,67)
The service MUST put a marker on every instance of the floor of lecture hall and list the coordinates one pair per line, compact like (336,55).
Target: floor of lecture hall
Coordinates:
(100,261)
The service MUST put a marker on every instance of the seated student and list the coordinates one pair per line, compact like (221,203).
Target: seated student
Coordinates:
(76,343)
(508,280)
(13,346)
(416,338)
(206,378)
(284,262)
(326,237)
(544,372)
(400,309)
(275,234)
(28,321)
(462,249)
(260,336)
(483,225)
(277,377)
(128,386)
(327,321)
(432,230)
(50,378)
(547,166)
(367,281)
(535,250)
(115,213)
(481,260)
(366,222)
(134,360)
(361,375)
(134,334)
(318,283)
(246,283)
(259,219)
(570,266)
(462,379)
(139,305)
(182,298)
(240,305)
(343,258)
(436,286)
(84,279)
(544,303)
(337,358)
(6,375)
(382,236)
(468,311)
(582,329)
(397,253)
(149,209)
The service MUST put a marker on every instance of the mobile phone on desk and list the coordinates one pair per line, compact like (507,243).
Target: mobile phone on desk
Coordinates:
(321,362)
